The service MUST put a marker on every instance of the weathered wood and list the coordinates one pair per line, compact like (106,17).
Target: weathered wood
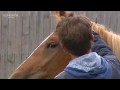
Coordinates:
(113,20)
(4,44)
(46,24)
(11,44)
(18,39)
(39,27)
(0,44)
(32,37)
(25,34)
(118,22)
(92,15)
(53,21)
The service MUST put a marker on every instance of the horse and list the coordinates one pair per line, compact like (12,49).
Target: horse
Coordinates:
(48,59)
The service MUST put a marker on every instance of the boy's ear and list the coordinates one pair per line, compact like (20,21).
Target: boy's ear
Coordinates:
(92,41)
(92,37)
(63,47)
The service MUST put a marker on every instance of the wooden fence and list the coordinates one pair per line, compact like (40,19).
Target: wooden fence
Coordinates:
(22,31)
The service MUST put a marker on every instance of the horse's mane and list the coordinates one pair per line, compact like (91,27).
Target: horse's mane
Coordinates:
(112,39)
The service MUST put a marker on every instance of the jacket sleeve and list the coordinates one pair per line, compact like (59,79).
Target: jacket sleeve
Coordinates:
(105,51)
(100,46)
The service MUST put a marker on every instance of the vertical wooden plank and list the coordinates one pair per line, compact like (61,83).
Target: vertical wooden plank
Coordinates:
(32,41)
(53,21)
(118,22)
(92,15)
(4,44)
(106,18)
(81,12)
(0,44)
(113,19)
(11,44)
(87,14)
(25,34)
(39,27)
(18,38)
(46,24)
(100,17)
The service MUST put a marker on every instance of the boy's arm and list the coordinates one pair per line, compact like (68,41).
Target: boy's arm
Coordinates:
(100,46)
(105,51)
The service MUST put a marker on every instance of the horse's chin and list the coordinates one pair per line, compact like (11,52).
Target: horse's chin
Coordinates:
(41,75)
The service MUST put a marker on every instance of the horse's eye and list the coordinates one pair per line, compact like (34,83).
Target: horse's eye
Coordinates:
(51,45)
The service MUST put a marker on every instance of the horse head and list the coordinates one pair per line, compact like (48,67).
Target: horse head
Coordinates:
(46,61)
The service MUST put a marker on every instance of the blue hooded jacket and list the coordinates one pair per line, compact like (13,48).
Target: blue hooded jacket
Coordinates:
(89,66)
(101,63)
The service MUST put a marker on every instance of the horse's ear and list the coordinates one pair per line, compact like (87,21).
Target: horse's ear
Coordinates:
(62,14)
(58,15)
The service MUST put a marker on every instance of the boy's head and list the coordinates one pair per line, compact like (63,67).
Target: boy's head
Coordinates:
(75,34)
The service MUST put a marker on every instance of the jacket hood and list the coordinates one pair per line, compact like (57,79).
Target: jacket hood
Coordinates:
(89,66)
